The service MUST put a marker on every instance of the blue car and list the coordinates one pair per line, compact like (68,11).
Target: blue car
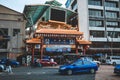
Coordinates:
(117,69)
(13,63)
(79,66)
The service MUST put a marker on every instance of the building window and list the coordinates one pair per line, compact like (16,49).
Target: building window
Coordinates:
(95,13)
(3,34)
(68,3)
(112,24)
(3,44)
(111,4)
(95,2)
(116,45)
(3,31)
(74,3)
(57,15)
(111,14)
(113,34)
(94,23)
(98,45)
(16,31)
(97,33)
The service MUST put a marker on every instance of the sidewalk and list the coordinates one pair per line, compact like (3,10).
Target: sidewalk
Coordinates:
(27,69)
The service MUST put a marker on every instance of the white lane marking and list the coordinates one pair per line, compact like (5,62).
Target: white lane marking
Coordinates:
(28,73)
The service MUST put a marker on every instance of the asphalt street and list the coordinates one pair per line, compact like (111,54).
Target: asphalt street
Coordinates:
(46,73)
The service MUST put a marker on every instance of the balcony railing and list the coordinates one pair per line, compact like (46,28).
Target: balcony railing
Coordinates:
(112,8)
(103,39)
(95,7)
(97,28)
(109,39)
(112,29)
(104,48)
(100,39)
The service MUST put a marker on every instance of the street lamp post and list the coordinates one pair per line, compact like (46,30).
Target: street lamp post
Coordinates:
(17,42)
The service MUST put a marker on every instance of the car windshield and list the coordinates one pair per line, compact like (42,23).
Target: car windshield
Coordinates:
(77,63)
(108,57)
(74,61)
(87,58)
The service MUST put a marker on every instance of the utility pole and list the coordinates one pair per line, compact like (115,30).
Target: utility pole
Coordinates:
(112,37)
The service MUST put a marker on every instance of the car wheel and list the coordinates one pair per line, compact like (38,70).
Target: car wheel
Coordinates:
(92,71)
(69,72)
(114,63)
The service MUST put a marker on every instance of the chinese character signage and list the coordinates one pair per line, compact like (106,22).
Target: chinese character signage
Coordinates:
(59,41)
(58,48)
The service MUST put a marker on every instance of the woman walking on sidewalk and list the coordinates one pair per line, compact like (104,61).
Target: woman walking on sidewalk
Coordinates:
(8,66)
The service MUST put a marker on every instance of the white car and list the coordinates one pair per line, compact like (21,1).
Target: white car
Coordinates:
(113,60)
(98,62)
(91,59)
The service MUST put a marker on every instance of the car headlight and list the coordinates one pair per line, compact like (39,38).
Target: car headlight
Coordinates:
(17,63)
(63,68)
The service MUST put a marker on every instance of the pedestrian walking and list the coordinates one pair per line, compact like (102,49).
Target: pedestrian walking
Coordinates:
(51,60)
(8,66)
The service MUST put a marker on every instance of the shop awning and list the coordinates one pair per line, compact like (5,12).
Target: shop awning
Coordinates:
(33,41)
(84,42)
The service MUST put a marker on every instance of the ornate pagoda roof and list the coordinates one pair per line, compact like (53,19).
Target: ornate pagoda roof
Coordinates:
(84,42)
(58,31)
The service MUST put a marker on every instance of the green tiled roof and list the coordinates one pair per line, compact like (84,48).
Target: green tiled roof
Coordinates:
(34,12)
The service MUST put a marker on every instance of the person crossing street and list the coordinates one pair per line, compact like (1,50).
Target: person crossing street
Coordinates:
(8,66)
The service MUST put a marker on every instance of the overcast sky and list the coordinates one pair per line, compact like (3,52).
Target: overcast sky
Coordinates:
(18,5)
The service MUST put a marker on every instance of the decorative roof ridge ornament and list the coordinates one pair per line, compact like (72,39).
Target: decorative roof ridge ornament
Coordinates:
(83,41)
(57,22)
(55,25)
(33,41)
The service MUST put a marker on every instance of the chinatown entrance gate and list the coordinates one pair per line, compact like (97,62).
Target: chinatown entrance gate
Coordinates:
(57,37)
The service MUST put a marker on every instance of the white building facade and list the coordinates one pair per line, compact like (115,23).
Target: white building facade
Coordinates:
(100,22)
